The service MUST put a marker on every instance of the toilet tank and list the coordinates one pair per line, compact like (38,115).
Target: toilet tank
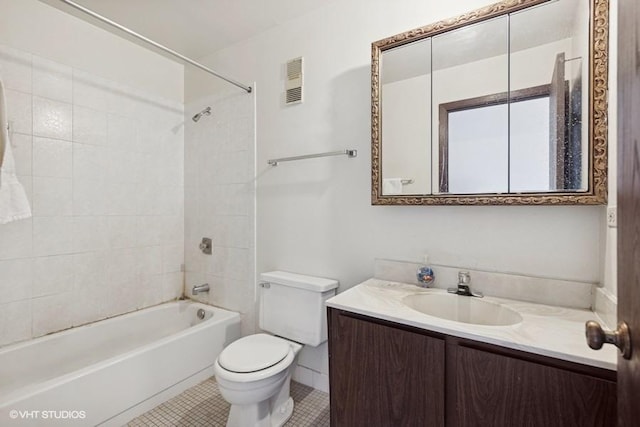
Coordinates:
(292,306)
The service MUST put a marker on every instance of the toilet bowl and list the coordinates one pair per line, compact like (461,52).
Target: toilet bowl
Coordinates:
(253,375)
(254,372)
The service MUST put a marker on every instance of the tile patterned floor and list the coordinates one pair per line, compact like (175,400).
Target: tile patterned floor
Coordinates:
(203,406)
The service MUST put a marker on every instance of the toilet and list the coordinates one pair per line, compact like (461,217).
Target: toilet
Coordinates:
(254,372)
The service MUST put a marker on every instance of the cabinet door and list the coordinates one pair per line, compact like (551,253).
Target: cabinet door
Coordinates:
(382,375)
(496,390)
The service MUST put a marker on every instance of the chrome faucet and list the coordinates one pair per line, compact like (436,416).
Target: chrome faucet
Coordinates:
(200,289)
(464,289)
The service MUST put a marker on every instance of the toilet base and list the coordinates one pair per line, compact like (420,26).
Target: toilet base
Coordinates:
(280,415)
(263,401)
(260,414)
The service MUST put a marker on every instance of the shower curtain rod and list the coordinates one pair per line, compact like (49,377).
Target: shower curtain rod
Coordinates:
(155,44)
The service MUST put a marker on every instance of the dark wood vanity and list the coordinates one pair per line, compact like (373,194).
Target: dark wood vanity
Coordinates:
(387,374)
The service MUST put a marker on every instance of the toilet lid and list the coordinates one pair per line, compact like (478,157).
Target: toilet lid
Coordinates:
(253,353)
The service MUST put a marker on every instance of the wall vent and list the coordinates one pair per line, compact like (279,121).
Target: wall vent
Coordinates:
(294,81)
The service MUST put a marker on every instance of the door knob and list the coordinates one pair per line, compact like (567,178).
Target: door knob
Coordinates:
(597,337)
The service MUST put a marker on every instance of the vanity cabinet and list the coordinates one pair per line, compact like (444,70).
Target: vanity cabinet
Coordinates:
(384,376)
(387,374)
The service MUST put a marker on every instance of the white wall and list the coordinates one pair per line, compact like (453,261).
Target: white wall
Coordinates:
(37,28)
(104,178)
(315,216)
(220,201)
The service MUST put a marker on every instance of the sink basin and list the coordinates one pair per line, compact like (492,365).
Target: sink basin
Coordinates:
(462,309)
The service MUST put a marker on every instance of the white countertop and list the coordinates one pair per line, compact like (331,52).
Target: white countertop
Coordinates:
(546,330)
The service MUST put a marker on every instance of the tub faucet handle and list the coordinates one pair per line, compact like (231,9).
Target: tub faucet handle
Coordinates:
(206,246)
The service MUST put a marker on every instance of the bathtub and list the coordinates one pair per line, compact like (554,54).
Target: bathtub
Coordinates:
(111,371)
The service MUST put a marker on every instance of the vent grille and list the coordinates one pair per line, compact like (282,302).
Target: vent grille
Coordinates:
(294,68)
(294,95)
(294,81)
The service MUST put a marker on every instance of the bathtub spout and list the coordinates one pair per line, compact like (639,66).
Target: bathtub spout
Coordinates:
(200,289)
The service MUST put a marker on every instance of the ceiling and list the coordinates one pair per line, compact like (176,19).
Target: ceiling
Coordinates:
(196,28)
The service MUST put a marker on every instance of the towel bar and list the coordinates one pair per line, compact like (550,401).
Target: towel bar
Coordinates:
(350,153)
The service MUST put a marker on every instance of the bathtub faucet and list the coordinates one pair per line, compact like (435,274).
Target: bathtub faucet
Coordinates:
(200,289)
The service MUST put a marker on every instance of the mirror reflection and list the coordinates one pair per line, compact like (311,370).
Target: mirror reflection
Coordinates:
(556,55)
(471,138)
(500,106)
(406,87)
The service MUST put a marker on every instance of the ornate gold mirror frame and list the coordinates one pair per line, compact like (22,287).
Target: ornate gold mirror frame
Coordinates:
(598,107)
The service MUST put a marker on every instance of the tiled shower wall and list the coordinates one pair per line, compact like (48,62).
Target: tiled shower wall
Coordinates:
(220,202)
(103,168)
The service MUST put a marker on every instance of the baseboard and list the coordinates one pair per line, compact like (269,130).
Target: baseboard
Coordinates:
(311,378)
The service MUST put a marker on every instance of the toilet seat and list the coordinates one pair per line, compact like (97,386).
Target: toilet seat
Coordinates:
(253,353)
(271,370)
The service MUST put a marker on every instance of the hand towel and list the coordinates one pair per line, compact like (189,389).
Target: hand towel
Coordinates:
(13,199)
(391,186)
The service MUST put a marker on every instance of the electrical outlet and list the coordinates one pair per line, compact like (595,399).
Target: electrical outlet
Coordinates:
(612,216)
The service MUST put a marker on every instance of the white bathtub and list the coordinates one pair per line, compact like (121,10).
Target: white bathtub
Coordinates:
(108,372)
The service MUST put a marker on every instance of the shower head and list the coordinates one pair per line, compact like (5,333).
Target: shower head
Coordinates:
(205,112)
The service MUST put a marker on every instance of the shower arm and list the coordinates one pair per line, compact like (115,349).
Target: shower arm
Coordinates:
(153,43)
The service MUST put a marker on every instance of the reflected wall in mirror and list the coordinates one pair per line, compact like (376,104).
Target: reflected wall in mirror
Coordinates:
(503,105)
(406,84)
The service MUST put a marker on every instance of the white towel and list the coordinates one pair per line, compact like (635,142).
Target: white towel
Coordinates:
(391,186)
(13,199)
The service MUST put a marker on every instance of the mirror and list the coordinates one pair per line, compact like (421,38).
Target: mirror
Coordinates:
(502,105)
